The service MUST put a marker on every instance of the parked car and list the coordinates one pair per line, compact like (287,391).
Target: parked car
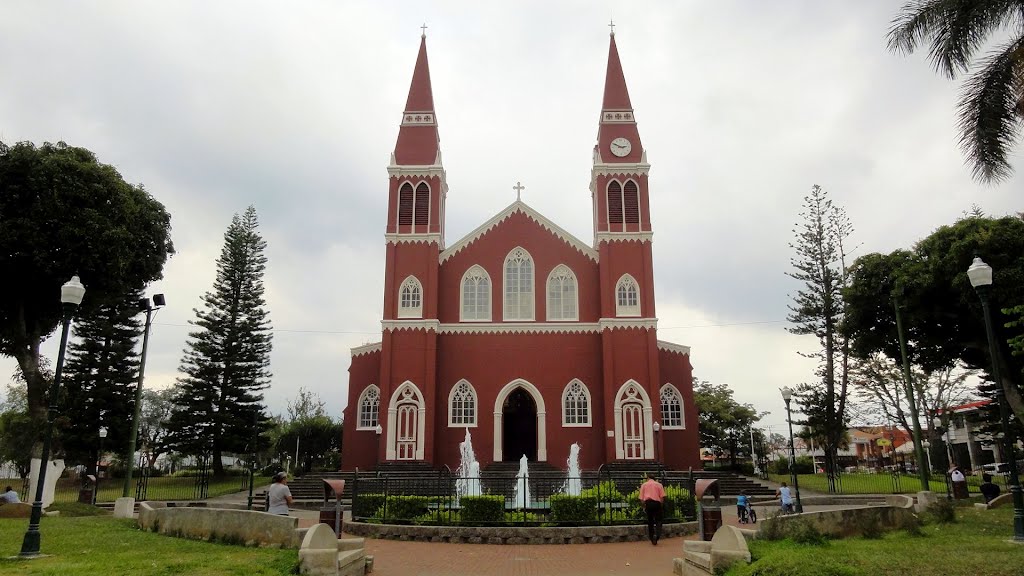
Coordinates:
(1002,468)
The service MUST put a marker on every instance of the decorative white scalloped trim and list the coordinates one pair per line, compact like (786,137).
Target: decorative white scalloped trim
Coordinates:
(521,328)
(623,237)
(618,169)
(624,323)
(405,171)
(520,206)
(366,349)
(396,325)
(433,238)
(676,348)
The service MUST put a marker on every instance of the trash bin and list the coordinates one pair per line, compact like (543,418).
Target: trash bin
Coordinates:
(331,513)
(87,493)
(710,518)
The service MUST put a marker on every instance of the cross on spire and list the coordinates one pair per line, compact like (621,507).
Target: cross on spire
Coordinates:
(518,188)
(424,28)
(611,24)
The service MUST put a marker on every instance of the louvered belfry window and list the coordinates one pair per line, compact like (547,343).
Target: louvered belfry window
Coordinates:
(614,203)
(405,205)
(631,200)
(422,204)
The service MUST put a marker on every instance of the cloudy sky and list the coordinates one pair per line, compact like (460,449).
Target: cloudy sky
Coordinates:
(294,107)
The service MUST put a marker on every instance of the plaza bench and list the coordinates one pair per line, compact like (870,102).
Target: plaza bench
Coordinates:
(324,554)
(727,547)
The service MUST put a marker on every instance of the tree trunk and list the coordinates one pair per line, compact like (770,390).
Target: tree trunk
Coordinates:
(36,383)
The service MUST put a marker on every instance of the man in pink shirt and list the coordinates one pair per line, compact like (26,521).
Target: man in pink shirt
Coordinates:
(652,497)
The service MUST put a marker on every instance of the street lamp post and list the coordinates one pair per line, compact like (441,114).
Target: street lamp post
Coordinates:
(148,307)
(378,430)
(71,295)
(787,395)
(928,455)
(981,278)
(657,429)
(99,462)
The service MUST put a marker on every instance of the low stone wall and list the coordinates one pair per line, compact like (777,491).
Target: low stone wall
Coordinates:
(217,524)
(514,535)
(891,510)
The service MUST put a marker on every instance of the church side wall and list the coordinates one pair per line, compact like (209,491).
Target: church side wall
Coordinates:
(358,446)
(548,361)
(680,448)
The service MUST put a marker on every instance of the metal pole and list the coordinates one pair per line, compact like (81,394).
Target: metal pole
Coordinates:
(792,462)
(908,383)
(133,433)
(1009,438)
(30,545)
(252,461)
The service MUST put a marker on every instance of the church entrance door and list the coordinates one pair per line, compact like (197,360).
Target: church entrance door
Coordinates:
(519,427)
(407,428)
(633,431)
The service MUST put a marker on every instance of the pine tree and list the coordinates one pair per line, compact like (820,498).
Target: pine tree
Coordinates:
(101,375)
(226,361)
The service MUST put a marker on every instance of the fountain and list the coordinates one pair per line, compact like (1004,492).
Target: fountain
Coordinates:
(468,483)
(521,491)
(573,483)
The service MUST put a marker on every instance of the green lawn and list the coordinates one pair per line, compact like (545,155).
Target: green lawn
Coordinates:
(870,483)
(162,488)
(978,545)
(104,546)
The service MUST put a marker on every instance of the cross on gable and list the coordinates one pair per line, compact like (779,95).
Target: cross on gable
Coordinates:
(424,28)
(518,188)
(611,24)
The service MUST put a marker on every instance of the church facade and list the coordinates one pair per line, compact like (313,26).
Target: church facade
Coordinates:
(519,332)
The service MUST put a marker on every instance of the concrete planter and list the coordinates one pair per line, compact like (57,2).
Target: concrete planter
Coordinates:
(514,535)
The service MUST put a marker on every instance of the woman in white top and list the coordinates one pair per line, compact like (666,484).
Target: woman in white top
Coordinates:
(279,497)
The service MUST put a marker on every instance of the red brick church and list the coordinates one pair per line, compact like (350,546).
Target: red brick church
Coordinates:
(526,335)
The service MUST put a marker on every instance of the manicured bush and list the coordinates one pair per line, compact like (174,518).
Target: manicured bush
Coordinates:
(677,502)
(518,517)
(482,509)
(573,509)
(437,517)
(405,507)
(605,491)
(366,504)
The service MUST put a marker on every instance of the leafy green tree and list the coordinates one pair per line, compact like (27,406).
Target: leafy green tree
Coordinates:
(100,377)
(154,437)
(723,422)
(63,213)
(309,429)
(941,311)
(17,434)
(991,109)
(819,309)
(227,359)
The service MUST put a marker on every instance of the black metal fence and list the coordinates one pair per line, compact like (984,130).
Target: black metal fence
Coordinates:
(884,482)
(542,499)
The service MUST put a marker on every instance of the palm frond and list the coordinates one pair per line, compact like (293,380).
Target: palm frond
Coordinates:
(990,112)
(956,28)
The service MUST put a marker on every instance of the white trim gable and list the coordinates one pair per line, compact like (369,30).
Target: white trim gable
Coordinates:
(520,206)
(673,348)
(366,349)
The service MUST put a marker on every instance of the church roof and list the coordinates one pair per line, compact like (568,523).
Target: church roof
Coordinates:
(421,97)
(616,96)
(418,141)
(520,207)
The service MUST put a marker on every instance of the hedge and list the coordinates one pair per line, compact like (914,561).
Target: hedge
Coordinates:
(573,509)
(366,504)
(482,509)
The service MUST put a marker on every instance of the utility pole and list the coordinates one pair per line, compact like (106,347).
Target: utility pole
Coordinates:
(133,434)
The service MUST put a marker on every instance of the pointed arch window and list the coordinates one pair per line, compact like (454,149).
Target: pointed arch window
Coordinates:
(422,210)
(614,202)
(627,297)
(369,408)
(562,302)
(576,405)
(631,202)
(405,205)
(519,285)
(462,405)
(671,407)
(476,295)
(410,299)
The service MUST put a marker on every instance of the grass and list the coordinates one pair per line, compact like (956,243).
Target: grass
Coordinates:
(108,546)
(161,488)
(978,544)
(870,483)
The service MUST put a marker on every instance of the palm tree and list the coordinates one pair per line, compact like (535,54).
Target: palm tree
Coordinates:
(991,108)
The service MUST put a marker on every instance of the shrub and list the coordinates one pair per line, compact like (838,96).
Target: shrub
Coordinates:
(605,491)
(405,507)
(515,517)
(573,509)
(911,524)
(366,504)
(482,509)
(942,511)
(618,517)
(773,528)
(869,525)
(677,502)
(437,517)
(803,531)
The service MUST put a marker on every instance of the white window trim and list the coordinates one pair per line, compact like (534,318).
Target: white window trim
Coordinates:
(645,401)
(590,405)
(359,408)
(576,293)
(398,211)
(412,312)
(622,202)
(533,287)
(391,452)
(430,197)
(476,405)
(627,311)
(682,408)
(542,434)
(462,294)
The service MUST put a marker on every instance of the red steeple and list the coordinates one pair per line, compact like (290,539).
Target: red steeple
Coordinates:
(417,138)
(618,139)
(616,96)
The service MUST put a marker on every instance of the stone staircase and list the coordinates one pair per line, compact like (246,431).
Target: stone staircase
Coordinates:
(308,490)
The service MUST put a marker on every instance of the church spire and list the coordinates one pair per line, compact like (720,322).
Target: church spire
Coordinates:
(417,138)
(616,96)
(618,140)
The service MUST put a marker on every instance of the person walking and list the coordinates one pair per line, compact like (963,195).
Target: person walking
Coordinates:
(9,496)
(279,497)
(652,497)
(741,507)
(785,496)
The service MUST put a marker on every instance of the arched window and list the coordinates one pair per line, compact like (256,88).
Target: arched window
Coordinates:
(476,295)
(410,299)
(576,404)
(671,407)
(627,297)
(614,202)
(562,294)
(631,203)
(462,405)
(369,408)
(519,285)
(405,205)
(422,204)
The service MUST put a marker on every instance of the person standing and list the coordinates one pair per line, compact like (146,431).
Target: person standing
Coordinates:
(741,507)
(989,490)
(279,497)
(785,497)
(9,496)
(956,476)
(652,497)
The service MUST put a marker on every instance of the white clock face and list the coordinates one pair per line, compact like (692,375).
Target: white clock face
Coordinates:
(621,147)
